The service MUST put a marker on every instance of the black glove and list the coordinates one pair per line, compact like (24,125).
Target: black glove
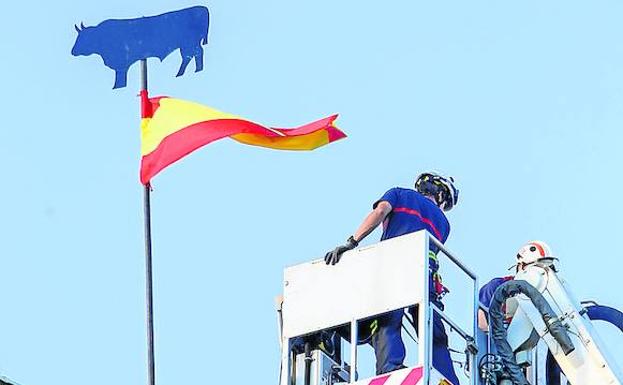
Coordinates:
(333,257)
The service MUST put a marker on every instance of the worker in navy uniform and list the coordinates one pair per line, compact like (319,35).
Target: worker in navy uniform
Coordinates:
(403,211)
(531,252)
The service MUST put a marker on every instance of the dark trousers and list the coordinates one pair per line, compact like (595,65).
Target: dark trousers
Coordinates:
(390,352)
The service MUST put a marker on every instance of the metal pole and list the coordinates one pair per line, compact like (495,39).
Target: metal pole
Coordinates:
(308,362)
(354,333)
(151,371)
(424,319)
(473,370)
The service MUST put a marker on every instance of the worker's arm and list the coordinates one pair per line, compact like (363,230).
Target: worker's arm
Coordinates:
(483,324)
(375,218)
(371,222)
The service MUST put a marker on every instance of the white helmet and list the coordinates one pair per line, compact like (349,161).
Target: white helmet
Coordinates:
(534,251)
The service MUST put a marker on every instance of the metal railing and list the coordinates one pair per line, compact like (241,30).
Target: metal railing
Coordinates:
(426,315)
(425,320)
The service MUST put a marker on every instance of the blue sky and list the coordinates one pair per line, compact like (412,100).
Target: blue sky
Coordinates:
(520,101)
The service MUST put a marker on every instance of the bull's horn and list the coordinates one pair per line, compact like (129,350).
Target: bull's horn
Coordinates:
(77,29)
(82,26)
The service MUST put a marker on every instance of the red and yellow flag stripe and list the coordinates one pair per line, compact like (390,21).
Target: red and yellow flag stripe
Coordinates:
(172,128)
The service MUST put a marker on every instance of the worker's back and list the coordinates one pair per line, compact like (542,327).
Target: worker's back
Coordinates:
(411,212)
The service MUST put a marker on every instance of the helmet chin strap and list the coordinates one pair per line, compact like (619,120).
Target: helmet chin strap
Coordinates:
(442,205)
(439,199)
(516,266)
(548,261)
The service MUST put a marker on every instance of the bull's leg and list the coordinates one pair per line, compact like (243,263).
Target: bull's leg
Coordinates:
(185,60)
(121,78)
(199,59)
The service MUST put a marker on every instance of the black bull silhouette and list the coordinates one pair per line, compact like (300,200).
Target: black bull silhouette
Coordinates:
(121,43)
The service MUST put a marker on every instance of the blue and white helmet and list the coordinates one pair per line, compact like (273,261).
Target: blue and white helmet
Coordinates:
(440,187)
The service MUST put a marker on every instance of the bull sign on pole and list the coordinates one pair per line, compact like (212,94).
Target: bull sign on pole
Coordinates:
(123,42)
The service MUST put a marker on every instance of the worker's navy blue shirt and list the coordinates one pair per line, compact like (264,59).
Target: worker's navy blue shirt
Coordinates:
(412,211)
(486,292)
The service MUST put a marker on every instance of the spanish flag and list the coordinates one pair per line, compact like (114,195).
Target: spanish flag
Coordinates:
(173,128)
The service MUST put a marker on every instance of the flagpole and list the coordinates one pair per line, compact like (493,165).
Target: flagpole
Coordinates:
(151,372)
